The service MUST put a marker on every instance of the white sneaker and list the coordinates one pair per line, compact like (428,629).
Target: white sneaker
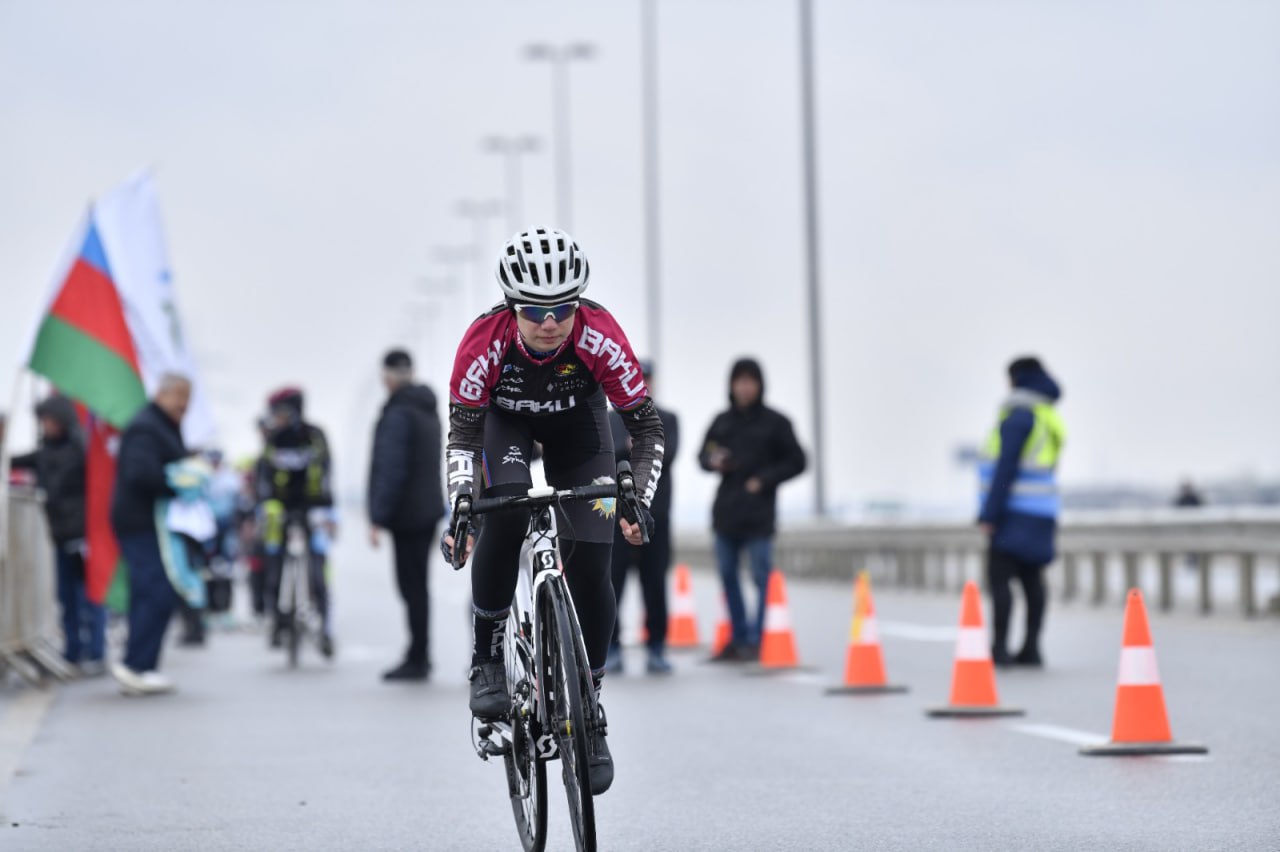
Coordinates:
(154,683)
(130,681)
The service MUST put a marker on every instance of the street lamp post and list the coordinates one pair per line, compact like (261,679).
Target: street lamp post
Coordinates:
(559,57)
(511,147)
(479,212)
(453,258)
(437,292)
(652,258)
(812,254)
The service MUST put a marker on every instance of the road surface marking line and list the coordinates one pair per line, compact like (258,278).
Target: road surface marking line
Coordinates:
(1057,732)
(918,632)
(19,728)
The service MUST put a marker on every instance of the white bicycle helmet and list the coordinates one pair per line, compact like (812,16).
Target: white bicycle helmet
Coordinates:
(542,266)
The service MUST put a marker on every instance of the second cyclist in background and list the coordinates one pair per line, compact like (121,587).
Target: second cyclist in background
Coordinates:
(293,478)
(539,367)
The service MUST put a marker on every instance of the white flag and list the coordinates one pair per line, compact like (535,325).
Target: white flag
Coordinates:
(128,221)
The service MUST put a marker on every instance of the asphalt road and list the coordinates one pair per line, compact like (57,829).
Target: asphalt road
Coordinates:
(251,755)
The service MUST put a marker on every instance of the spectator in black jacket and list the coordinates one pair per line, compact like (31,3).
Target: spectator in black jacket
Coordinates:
(653,559)
(151,441)
(754,449)
(406,498)
(59,466)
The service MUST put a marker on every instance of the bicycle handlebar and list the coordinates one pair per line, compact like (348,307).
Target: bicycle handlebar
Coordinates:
(624,491)
(542,497)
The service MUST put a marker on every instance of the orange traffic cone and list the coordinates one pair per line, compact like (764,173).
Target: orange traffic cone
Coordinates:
(864,662)
(973,680)
(724,630)
(682,624)
(777,641)
(1141,725)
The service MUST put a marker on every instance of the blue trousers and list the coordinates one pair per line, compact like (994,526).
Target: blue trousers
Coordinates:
(84,624)
(152,600)
(760,560)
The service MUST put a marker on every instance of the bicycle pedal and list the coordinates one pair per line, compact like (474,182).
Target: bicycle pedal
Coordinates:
(488,746)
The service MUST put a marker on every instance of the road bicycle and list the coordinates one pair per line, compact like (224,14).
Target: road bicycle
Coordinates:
(553,705)
(299,617)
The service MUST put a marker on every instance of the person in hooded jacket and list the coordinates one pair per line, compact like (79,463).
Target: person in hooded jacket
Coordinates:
(59,467)
(754,449)
(406,498)
(1020,503)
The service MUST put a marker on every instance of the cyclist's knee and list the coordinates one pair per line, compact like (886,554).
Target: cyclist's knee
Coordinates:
(493,614)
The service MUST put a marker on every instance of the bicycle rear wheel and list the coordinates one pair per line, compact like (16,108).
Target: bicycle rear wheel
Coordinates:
(565,710)
(526,772)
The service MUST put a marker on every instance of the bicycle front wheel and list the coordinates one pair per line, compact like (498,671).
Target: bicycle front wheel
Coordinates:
(565,681)
(526,770)
(296,577)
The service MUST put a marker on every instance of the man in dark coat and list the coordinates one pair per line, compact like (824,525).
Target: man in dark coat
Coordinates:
(754,449)
(406,498)
(653,559)
(152,440)
(59,466)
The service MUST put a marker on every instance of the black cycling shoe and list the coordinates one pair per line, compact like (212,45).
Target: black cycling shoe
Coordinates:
(599,760)
(489,696)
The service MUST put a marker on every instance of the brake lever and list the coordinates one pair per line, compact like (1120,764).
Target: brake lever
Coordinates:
(631,508)
(461,530)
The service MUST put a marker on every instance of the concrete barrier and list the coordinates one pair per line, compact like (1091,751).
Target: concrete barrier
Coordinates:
(28,595)
(1189,556)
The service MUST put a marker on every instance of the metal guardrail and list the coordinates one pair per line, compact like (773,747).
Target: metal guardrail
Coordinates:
(28,599)
(1100,555)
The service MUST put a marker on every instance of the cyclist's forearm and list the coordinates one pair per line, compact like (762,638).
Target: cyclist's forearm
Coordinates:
(466,442)
(647,451)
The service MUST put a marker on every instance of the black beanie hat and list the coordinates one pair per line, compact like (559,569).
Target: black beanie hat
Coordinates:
(397,359)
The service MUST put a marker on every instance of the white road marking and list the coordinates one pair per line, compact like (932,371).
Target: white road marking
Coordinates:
(1086,738)
(18,729)
(918,632)
(1057,732)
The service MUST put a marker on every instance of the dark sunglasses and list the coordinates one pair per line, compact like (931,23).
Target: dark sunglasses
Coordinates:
(539,313)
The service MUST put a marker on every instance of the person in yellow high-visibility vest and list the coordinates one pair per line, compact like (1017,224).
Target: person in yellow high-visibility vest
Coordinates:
(1020,503)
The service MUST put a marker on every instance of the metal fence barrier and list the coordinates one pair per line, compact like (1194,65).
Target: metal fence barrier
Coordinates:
(28,597)
(1182,557)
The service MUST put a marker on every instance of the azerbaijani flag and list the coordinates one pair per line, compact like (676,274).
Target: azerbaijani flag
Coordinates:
(83,345)
(103,578)
(84,348)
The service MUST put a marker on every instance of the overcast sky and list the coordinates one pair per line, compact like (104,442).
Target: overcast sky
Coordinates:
(1098,183)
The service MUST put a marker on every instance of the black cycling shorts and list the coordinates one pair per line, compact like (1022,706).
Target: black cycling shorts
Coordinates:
(577,449)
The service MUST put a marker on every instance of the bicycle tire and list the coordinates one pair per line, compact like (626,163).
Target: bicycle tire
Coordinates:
(565,705)
(294,622)
(526,772)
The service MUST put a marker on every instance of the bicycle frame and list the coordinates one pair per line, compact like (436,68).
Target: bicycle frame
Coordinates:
(539,567)
(545,654)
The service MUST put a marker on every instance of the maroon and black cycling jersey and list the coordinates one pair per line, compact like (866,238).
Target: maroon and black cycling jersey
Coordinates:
(494,369)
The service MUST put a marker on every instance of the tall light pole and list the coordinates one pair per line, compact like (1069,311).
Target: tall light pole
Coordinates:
(652,256)
(559,56)
(511,147)
(480,212)
(812,255)
(453,258)
(437,292)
